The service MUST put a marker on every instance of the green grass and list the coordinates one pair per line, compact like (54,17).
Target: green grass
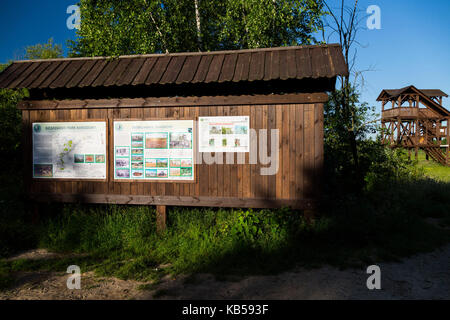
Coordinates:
(385,223)
(16,230)
(122,241)
(433,169)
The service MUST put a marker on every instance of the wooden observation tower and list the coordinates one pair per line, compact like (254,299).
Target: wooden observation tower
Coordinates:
(415,119)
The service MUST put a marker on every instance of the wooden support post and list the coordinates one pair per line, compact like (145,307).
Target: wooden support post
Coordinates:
(310,216)
(417,132)
(35,216)
(447,156)
(161,218)
(438,131)
(392,133)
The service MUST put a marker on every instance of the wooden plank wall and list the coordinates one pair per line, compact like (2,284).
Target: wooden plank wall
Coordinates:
(300,163)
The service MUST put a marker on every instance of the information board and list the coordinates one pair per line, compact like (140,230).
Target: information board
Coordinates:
(154,150)
(224,134)
(69,150)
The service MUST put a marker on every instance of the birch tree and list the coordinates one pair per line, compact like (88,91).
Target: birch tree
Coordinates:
(114,27)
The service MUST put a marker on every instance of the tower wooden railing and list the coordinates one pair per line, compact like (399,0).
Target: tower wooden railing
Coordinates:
(415,119)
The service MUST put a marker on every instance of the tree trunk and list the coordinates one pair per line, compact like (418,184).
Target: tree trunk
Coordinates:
(351,133)
(197,20)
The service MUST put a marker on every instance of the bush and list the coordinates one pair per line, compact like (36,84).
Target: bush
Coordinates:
(384,166)
(6,280)
(16,231)
(11,126)
(226,241)
(99,229)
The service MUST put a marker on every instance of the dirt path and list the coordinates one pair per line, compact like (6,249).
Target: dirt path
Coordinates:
(426,276)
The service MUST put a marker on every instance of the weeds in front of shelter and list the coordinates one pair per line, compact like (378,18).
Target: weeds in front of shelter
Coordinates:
(385,222)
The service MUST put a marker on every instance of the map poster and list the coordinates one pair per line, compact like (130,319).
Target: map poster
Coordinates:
(154,150)
(69,150)
(224,134)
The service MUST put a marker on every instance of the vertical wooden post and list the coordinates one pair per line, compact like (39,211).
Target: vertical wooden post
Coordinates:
(438,131)
(35,216)
(416,102)
(392,133)
(161,218)
(417,133)
(447,156)
(310,216)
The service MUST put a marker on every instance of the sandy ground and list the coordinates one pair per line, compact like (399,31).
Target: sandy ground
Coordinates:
(425,276)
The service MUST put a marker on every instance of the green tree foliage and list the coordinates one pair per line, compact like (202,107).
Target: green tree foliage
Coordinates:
(113,27)
(269,23)
(378,165)
(10,116)
(11,126)
(338,123)
(342,123)
(47,50)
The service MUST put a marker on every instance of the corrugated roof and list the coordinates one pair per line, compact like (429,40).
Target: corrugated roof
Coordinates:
(324,61)
(434,92)
(427,92)
(425,97)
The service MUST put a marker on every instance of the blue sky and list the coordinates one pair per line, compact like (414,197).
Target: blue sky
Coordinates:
(28,22)
(412,46)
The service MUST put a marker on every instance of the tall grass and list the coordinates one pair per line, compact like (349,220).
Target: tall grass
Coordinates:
(98,229)
(16,231)
(385,221)
(350,232)
(434,169)
(196,239)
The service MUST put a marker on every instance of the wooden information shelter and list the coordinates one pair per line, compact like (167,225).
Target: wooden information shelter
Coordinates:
(278,88)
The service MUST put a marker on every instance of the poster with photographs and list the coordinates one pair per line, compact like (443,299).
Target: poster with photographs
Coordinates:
(69,150)
(224,134)
(154,150)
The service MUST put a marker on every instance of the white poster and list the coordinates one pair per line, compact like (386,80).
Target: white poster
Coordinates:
(224,134)
(154,150)
(69,150)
